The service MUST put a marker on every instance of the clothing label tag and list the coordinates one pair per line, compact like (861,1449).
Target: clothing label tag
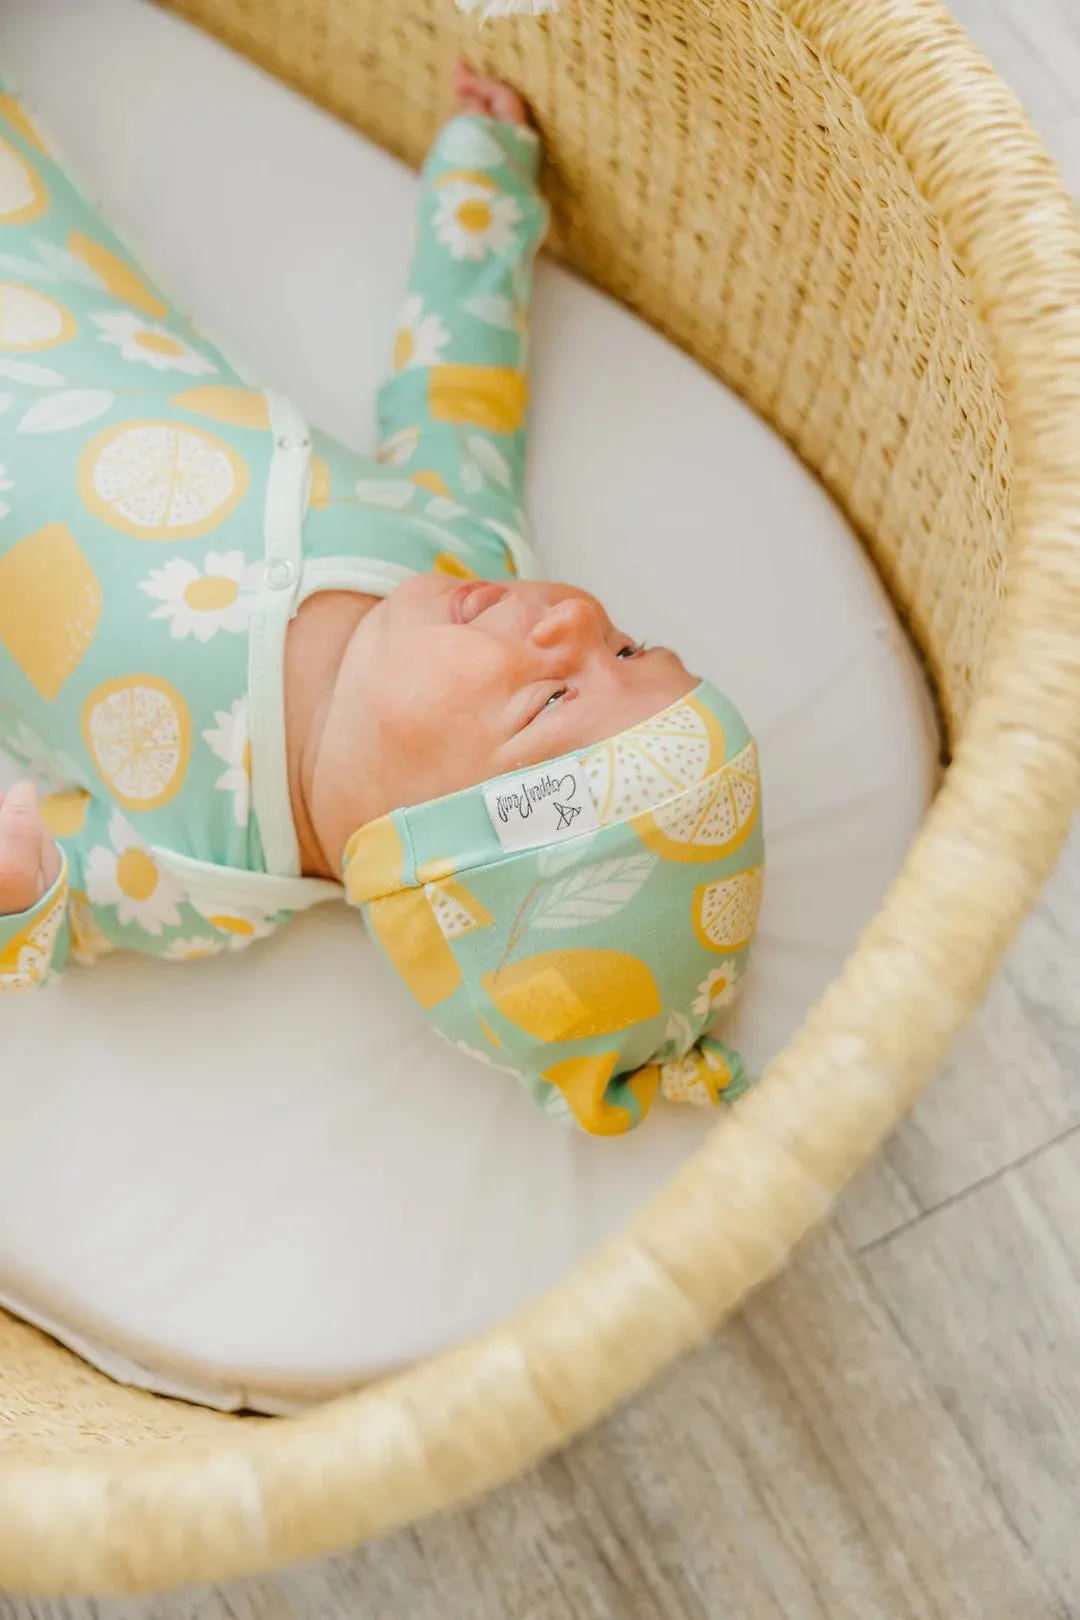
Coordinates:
(543,805)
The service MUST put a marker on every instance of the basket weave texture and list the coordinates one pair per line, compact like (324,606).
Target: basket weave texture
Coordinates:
(840,210)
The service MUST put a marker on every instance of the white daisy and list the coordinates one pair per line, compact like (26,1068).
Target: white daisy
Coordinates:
(150,343)
(716,992)
(231,742)
(200,602)
(399,448)
(236,928)
(128,877)
(193,949)
(420,338)
(52,771)
(6,483)
(472,221)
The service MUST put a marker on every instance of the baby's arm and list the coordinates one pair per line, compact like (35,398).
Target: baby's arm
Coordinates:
(34,924)
(460,387)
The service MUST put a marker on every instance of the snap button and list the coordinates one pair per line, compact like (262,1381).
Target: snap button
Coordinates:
(280,575)
(287,442)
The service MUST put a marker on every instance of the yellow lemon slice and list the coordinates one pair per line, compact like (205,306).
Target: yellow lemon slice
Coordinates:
(25,959)
(405,926)
(570,995)
(710,820)
(374,861)
(50,604)
(22,195)
(725,913)
(116,276)
(457,912)
(662,756)
(32,320)
(491,397)
(237,407)
(160,480)
(138,732)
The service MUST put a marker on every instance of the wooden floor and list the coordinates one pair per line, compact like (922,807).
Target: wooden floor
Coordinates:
(891,1431)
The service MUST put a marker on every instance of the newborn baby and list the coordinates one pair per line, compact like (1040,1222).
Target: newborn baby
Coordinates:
(256,666)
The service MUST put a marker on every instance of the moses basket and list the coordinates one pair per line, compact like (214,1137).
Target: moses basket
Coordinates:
(839,209)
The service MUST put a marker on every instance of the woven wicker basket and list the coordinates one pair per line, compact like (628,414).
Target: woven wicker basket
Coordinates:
(838,208)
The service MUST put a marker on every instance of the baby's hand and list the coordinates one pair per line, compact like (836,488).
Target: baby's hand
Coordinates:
(480,97)
(29,859)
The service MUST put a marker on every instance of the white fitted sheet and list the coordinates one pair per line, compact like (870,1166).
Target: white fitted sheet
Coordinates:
(261,1179)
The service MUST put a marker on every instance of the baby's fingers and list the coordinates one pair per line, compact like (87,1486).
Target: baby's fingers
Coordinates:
(24,843)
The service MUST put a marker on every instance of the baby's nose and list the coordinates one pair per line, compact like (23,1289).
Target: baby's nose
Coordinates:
(571,623)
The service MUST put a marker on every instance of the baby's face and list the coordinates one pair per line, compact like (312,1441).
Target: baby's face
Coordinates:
(445,684)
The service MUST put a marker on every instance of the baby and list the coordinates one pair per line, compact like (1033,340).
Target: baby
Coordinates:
(559,844)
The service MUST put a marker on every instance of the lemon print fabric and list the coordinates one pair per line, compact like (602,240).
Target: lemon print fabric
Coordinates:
(31,320)
(599,969)
(726,912)
(408,930)
(161,480)
(570,995)
(663,756)
(218,402)
(138,732)
(115,276)
(23,197)
(490,397)
(50,606)
(711,820)
(26,958)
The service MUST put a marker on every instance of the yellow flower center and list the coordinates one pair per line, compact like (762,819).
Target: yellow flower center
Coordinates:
(234,925)
(212,594)
(136,874)
(404,347)
(158,342)
(474,216)
(245,759)
(716,990)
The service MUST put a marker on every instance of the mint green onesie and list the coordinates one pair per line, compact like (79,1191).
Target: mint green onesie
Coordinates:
(161,522)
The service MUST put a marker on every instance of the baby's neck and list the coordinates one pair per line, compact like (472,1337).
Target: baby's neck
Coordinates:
(315,645)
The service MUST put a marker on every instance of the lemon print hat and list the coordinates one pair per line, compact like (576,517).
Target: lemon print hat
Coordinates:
(584,924)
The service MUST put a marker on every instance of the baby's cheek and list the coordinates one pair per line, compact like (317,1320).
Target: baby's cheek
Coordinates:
(435,748)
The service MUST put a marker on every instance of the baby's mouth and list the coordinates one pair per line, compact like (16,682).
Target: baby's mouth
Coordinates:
(469,601)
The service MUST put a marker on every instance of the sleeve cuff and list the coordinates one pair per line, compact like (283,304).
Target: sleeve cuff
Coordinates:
(28,938)
(488,144)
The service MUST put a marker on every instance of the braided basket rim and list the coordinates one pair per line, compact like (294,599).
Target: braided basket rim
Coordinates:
(263,1493)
